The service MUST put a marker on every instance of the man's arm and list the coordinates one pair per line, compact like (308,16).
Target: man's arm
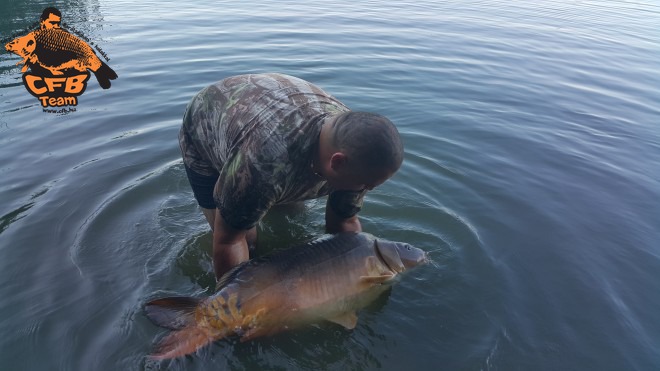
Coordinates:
(230,246)
(335,224)
(341,211)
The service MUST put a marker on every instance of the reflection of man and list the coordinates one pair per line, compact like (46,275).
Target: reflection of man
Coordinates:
(50,18)
(252,141)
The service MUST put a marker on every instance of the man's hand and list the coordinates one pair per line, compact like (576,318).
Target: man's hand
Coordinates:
(230,246)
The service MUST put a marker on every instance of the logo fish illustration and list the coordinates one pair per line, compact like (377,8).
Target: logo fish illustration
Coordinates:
(56,50)
(59,62)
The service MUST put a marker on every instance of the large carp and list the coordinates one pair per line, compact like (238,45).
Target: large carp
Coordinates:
(329,278)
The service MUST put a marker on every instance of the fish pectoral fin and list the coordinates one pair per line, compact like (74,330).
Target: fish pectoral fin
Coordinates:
(375,280)
(348,320)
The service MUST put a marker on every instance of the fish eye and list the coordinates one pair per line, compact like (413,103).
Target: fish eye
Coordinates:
(30,42)
(408,247)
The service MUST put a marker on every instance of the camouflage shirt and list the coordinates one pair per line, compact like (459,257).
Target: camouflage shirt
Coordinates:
(260,133)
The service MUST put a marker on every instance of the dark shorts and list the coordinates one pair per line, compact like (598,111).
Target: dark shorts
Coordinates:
(202,186)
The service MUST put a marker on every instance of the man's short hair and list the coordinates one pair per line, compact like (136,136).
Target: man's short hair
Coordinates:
(370,138)
(48,11)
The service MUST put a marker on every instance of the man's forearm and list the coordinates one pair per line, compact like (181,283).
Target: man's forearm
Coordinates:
(335,224)
(227,256)
(229,246)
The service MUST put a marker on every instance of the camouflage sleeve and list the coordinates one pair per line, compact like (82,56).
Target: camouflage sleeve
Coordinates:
(243,194)
(346,203)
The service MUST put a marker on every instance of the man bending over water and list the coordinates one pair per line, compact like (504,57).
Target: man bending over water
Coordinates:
(253,141)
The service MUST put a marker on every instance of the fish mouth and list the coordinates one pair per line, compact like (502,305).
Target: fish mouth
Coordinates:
(412,256)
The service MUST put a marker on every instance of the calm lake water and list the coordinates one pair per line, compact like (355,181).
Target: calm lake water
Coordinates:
(531,174)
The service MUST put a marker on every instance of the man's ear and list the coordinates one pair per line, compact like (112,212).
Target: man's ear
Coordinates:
(338,161)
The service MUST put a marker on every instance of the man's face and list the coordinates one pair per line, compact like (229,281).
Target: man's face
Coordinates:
(357,180)
(53,21)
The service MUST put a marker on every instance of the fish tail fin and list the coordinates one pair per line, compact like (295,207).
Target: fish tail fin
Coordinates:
(173,313)
(180,343)
(104,74)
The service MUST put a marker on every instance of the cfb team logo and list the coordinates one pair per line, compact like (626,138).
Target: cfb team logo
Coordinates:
(59,62)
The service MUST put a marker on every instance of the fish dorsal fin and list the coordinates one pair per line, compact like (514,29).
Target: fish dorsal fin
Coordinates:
(375,280)
(348,320)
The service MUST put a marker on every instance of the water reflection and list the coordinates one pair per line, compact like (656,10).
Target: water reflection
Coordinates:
(195,262)
(19,16)
(19,213)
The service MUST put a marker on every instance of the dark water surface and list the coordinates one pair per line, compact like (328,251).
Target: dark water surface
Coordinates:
(532,175)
